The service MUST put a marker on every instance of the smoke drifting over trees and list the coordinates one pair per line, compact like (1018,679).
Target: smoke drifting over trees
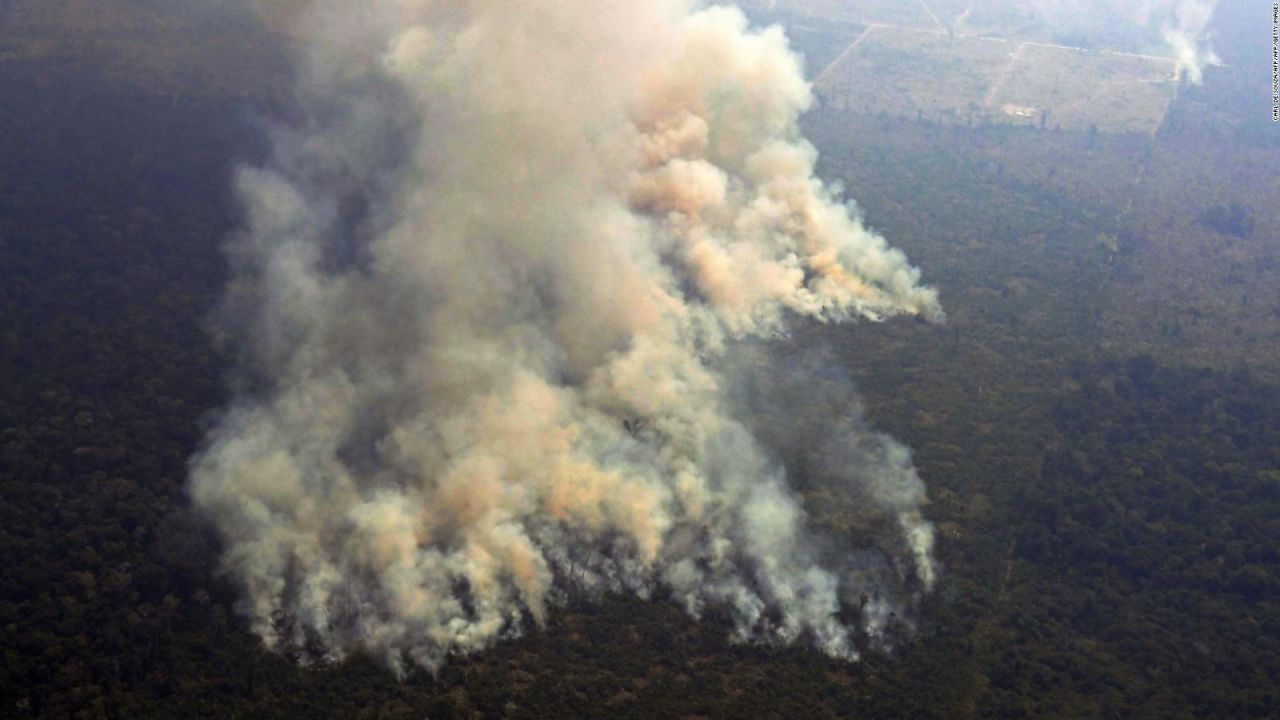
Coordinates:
(499,294)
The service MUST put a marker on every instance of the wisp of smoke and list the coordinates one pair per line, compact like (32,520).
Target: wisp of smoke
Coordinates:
(501,297)
(1182,25)
(1179,24)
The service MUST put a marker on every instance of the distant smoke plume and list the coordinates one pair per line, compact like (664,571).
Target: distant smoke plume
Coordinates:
(508,298)
(1178,24)
(1182,25)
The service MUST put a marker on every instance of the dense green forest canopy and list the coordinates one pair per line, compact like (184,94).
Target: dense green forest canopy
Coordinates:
(1100,429)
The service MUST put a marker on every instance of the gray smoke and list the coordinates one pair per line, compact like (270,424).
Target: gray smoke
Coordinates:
(497,296)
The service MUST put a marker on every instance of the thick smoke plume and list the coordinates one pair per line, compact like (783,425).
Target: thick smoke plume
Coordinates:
(501,296)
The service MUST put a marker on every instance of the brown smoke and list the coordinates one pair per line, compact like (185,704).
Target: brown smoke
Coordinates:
(490,294)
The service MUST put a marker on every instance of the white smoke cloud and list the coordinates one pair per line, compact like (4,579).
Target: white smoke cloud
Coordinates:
(1179,25)
(1182,25)
(493,295)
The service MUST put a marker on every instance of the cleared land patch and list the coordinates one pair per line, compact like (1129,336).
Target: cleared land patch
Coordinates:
(916,72)
(948,77)
(1079,89)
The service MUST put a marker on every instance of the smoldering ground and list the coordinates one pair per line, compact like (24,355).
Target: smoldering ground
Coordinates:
(498,294)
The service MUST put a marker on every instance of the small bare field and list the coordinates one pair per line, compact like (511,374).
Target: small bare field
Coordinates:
(1079,89)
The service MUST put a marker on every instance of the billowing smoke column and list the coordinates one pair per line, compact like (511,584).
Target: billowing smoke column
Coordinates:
(497,295)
